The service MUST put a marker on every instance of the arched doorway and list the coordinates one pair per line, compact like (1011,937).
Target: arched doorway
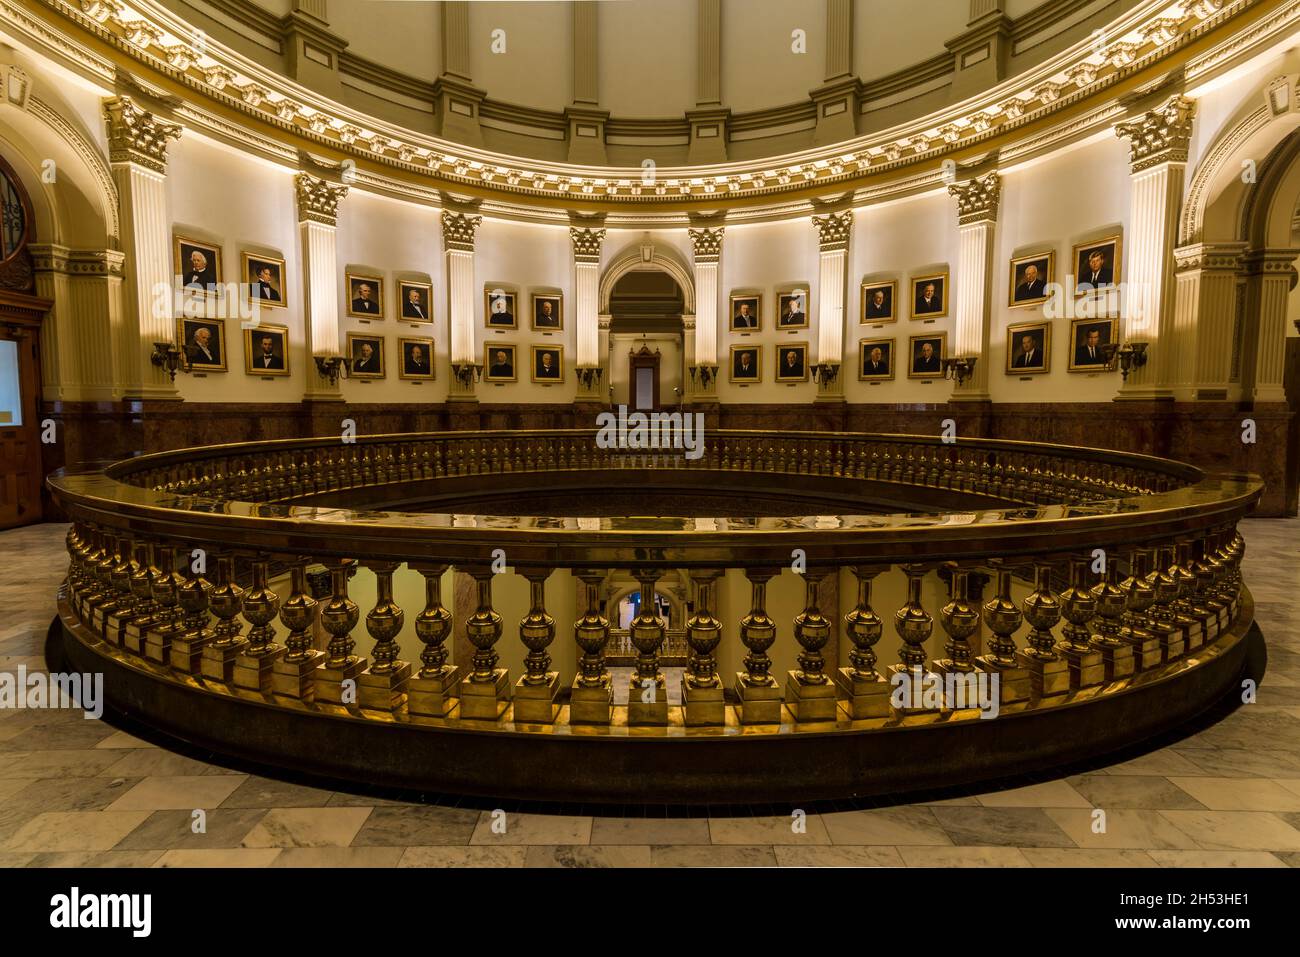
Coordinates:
(646,340)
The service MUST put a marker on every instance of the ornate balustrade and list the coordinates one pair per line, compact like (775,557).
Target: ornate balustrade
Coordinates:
(1125,570)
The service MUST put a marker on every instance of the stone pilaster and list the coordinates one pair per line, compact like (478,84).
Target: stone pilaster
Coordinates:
(1263,360)
(458,230)
(1205,311)
(592,379)
(981,52)
(318,203)
(836,99)
(85,287)
(586,119)
(703,367)
(977,214)
(456,99)
(709,118)
(834,230)
(311,51)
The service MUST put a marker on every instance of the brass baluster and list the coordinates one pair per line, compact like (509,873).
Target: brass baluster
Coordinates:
(1112,602)
(591,696)
(146,611)
(254,668)
(959,620)
(1049,674)
(1003,617)
(187,648)
(292,673)
(1187,617)
(336,678)
(914,625)
(382,686)
(1139,597)
(537,688)
(1163,624)
(432,691)
(1078,608)
(759,694)
(809,694)
(703,701)
(1214,610)
(863,690)
(647,702)
(485,693)
(107,620)
(165,590)
(225,600)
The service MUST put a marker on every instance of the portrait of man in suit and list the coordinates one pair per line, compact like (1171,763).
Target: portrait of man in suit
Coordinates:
(744,364)
(367,354)
(265,278)
(198,265)
(204,341)
(928,297)
(877,359)
(365,297)
(927,355)
(417,359)
(501,309)
(792,363)
(1097,265)
(500,363)
(1029,278)
(415,301)
(744,312)
(878,302)
(266,350)
(547,364)
(1028,348)
(794,313)
(1088,337)
(546,313)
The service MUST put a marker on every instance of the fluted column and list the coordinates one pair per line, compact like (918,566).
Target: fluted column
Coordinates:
(977,214)
(458,231)
(1158,152)
(834,230)
(1264,340)
(318,203)
(1205,310)
(138,143)
(587,242)
(706,247)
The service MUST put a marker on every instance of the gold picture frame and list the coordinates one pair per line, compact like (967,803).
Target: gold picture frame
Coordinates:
(251,267)
(357,371)
(733,365)
(406,367)
(279,352)
(783,373)
(196,352)
(1037,286)
(536,364)
(917,286)
(933,369)
(888,355)
(354,281)
(1041,334)
(888,308)
(490,362)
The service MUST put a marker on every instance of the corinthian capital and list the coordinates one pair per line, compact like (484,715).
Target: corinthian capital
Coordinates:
(1160,135)
(137,136)
(977,199)
(318,201)
(706,243)
(834,229)
(586,243)
(458,230)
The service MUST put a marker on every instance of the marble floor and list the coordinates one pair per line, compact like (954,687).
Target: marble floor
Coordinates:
(75,792)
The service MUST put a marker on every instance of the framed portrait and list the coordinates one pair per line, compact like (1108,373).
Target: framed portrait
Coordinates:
(875,359)
(746,314)
(792,362)
(367,355)
(266,349)
(499,362)
(1087,336)
(204,343)
(745,364)
(416,299)
(878,301)
(199,266)
(792,308)
(548,364)
(1029,348)
(365,296)
(499,308)
(264,278)
(547,316)
(925,356)
(417,358)
(1030,277)
(1096,265)
(930,296)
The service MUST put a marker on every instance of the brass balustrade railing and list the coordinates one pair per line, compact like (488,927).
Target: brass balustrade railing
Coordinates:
(1165,533)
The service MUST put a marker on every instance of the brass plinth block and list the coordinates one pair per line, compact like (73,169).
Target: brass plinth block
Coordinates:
(1013,681)
(433,696)
(1047,676)
(329,680)
(136,633)
(384,690)
(485,700)
(186,654)
(115,627)
(218,662)
(590,703)
(157,646)
(535,702)
(647,709)
(861,696)
(703,705)
(1117,661)
(759,703)
(913,702)
(1173,643)
(1147,651)
(254,672)
(294,677)
(1086,666)
(810,700)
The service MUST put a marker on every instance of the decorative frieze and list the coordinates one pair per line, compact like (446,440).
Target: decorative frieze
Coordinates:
(834,230)
(318,201)
(137,136)
(706,243)
(1160,135)
(458,230)
(977,199)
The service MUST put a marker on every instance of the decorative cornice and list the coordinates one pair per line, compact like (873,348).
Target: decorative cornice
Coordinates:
(458,230)
(586,243)
(706,243)
(137,136)
(51,257)
(834,230)
(977,199)
(318,201)
(1160,135)
(1210,257)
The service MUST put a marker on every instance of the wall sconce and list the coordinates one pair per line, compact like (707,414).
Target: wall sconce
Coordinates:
(959,368)
(167,357)
(1131,356)
(589,376)
(329,367)
(704,373)
(825,372)
(467,372)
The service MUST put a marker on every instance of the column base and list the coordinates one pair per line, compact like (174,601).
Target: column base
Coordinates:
(187,654)
(759,704)
(486,700)
(385,691)
(219,661)
(1013,681)
(535,703)
(653,712)
(295,679)
(254,672)
(329,681)
(704,706)
(435,696)
(862,697)
(808,701)
(1047,676)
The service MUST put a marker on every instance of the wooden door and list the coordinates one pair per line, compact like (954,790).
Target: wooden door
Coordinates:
(643,366)
(20,431)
